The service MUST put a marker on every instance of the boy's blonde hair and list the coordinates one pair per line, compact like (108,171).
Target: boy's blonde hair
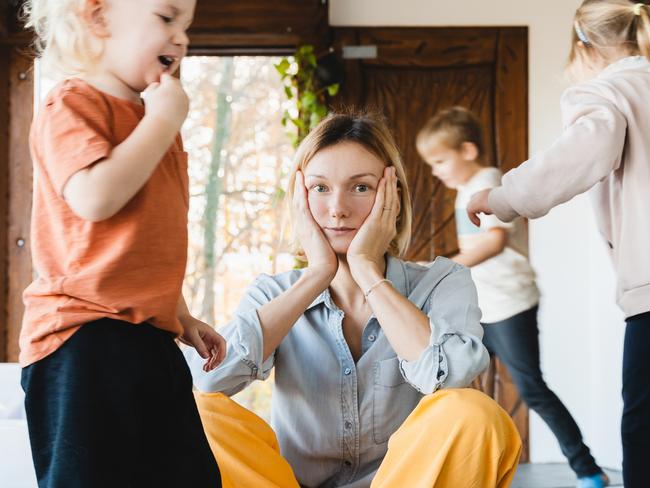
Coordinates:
(63,42)
(369,131)
(609,27)
(452,127)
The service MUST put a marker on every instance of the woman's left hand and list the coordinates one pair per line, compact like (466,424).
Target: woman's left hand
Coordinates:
(380,227)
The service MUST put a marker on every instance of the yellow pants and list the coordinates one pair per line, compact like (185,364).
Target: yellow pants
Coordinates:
(455,438)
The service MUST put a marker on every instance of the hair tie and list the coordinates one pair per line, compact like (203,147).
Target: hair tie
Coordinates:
(581,35)
(636,8)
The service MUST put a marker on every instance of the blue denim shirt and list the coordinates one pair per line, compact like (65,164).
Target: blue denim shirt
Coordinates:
(332,416)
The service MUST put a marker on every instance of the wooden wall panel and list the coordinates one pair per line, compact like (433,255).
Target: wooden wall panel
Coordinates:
(10,25)
(4,13)
(511,98)
(430,48)
(253,26)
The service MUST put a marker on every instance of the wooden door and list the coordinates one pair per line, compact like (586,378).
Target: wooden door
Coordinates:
(410,73)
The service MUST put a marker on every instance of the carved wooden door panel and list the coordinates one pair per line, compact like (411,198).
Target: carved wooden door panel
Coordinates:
(410,73)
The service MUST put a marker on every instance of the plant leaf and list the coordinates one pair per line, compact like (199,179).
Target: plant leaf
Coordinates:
(333,89)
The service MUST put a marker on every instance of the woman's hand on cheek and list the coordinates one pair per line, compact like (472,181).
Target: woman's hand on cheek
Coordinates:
(321,258)
(379,229)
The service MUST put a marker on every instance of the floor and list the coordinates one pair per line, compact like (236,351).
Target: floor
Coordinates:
(553,475)
(16,469)
(16,472)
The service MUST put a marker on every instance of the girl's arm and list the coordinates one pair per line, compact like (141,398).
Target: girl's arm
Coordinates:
(588,150)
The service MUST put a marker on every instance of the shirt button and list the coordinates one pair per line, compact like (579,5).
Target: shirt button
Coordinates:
(347,371)
(348,424)
(371,337)
(347,463)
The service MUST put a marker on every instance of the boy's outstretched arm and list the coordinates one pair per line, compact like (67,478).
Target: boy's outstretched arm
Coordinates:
(208,342)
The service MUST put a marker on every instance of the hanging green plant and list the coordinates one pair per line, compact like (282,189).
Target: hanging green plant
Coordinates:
(303,85)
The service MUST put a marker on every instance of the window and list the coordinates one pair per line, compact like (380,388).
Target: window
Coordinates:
(239,154)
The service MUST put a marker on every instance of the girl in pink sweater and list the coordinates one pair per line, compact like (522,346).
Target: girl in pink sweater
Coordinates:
(605,148)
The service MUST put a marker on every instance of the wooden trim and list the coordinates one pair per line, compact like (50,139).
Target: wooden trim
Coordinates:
(4,14)
(425,47)
(233,27)
(19,269)
(511,148)
(511,98)
(218,44)
(4,195)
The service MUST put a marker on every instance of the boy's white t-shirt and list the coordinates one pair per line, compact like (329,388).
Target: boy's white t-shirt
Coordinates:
(506,282)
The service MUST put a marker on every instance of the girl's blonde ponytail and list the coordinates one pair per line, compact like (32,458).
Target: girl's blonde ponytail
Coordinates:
(643,29)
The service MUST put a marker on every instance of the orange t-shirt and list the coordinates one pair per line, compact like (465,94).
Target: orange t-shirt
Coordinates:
(129,267)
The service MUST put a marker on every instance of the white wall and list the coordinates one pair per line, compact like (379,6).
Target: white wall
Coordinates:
(581,330)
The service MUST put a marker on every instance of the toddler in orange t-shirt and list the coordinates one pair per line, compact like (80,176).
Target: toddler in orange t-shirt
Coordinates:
(108,394)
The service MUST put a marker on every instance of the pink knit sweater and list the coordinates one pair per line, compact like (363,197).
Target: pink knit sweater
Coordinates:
(605,147)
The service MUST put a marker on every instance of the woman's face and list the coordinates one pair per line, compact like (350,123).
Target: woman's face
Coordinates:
(341,183)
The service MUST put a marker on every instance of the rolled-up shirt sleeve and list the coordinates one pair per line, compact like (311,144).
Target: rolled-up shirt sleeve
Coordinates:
(244,362)
(455,354)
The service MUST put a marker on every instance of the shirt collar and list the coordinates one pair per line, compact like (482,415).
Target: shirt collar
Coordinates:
(324,298)
(395,272)
(629,62)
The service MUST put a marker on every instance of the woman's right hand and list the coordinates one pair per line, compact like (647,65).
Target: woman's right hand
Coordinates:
(321,258)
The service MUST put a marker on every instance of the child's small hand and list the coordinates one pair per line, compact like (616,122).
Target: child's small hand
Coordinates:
(478,204)
(166,100)
(208,342)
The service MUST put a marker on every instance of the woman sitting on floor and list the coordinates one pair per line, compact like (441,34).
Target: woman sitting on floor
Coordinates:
(372,354)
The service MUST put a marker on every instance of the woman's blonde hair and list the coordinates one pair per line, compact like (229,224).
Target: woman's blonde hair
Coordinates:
(64,43)
(610,27)
(371,132)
